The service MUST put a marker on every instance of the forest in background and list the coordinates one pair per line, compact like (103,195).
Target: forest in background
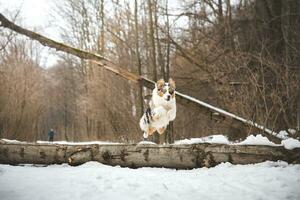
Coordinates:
(242,56)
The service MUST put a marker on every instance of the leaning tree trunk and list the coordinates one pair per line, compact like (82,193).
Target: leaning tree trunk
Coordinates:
(144,155)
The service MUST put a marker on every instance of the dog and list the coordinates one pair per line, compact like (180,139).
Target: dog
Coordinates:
(161,109)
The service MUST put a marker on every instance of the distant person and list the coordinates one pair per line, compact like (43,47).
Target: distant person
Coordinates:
(51,135)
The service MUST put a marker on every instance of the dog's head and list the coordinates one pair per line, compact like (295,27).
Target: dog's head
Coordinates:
(166,90)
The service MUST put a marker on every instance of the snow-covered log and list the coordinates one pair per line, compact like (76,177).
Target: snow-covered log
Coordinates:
(144,155)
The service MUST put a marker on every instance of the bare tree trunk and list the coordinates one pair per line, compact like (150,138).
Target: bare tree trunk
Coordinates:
(138,57)
(229,35)
(152,40)
(221,22)
(23,105)
(298,112)
(167,71)
(65,121)
(102,37)
(161,61)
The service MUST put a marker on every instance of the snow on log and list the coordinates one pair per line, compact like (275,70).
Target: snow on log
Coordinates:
(144,155)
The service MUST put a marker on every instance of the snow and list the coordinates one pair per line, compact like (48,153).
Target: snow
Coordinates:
(190,141)
(283,134)
(257,140)
(147,142)
(76,143)
(216,139)
(268,180)
(61,142)
(12,141)
(290,143)
(292,131)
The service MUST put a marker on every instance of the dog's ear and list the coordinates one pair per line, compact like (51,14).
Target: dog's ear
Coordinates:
(160,83)
(172,83)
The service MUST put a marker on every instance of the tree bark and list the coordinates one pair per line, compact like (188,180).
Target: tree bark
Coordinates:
(167,71)
(161,61)
(152,40)
(156,137)
(102,40)
(138,57)
(144,155)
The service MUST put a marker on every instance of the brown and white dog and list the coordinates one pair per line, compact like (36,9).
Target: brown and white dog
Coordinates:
(162,108)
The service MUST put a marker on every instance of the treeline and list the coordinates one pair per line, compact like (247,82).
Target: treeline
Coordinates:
(242,56)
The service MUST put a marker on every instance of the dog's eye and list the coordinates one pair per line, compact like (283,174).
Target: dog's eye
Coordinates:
(171,91)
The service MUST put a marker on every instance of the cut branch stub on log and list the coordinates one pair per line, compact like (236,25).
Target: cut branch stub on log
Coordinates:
(111,67)
(144,155)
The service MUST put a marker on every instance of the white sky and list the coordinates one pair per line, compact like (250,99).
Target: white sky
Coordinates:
(35,15)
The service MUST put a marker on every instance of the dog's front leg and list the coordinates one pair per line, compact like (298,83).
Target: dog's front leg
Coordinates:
(145,135)
(158,112)
(171,114)
(149,132)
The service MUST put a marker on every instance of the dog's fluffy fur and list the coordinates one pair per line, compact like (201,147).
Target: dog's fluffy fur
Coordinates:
(161,110)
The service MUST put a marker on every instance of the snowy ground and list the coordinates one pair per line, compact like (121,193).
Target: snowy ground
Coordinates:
(268,180)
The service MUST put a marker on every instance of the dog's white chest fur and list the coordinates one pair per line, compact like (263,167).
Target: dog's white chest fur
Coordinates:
(168,106)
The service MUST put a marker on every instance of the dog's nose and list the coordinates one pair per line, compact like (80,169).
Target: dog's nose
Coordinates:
(168,97)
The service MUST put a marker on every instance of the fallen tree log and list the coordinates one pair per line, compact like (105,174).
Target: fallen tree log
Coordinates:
(144,155)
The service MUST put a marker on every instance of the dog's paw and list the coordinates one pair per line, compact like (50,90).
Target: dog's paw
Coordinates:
(156,117)
(145,135)
(161,130)
(171,115)
(158,113)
